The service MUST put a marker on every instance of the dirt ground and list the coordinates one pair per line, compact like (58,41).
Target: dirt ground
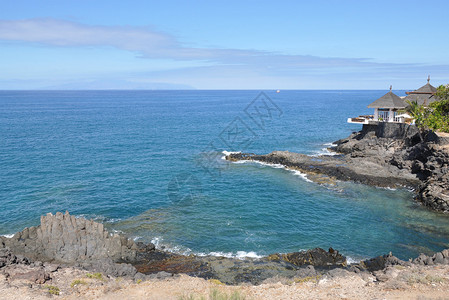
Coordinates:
(415,282)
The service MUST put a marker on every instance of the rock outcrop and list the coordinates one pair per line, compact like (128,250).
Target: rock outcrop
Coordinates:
(315,257)
(423,155)
(384,155)
(67,239)
(61,237)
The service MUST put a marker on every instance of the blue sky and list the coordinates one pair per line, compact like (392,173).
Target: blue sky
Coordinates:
(223,44)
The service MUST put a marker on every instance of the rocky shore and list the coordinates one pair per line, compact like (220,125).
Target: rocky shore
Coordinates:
(64,246)
(384,155)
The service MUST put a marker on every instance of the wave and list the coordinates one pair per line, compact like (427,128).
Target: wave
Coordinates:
(302,175)
(326,151)
(238,254)
(158,243)
(275,166)
(8,235)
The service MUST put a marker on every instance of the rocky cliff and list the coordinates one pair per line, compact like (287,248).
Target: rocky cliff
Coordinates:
(385,155)
(421,154)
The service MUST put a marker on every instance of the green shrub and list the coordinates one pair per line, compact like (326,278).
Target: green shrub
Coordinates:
(77,282)
(98,276)
(52,290)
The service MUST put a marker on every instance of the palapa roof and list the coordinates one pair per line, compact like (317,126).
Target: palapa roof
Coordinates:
(421,99)
(424,95)
(425,89)
(389,100)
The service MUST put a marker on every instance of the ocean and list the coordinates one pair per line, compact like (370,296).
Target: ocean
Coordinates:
(150,164)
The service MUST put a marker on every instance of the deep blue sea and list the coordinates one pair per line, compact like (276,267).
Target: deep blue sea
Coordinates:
(149,163)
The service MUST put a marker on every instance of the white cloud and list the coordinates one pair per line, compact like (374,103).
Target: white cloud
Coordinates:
(215,67)
(149,43)
(63,33)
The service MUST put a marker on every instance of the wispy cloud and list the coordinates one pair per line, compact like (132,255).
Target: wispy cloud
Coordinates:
(152,44)
(218,67)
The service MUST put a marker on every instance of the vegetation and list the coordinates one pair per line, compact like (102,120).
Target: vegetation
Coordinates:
(436,116)
(418,112)
(98,276)
(52,290)
(216,295)
(77,282)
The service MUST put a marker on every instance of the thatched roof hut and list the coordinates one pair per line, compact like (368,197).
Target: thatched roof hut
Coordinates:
(424,95)
(389,100)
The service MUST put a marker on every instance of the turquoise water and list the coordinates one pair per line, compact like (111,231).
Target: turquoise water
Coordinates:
(148,163)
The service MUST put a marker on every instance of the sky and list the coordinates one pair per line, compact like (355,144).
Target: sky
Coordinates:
(223,44)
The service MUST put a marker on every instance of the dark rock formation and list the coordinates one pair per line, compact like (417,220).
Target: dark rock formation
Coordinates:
(67,239)
(314,257)
(325,169)
(17,267)
(150,263)
(63,238)
(423,154)
(384,155)
(235,271)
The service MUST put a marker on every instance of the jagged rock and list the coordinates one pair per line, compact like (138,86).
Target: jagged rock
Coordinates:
(445,253)
(381,262)
(65,238)
(385,155)
(438,258)
(314,257)
(421,259)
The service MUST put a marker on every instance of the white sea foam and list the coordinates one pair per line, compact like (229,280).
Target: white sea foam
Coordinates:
(158,243)
(8,235)
(276,166)
(330,145)
(238,254)
(302,175)
(352,260)
(226,153)
(386,188)
(326,151)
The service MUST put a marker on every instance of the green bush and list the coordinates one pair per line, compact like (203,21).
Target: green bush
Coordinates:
(95,276)
(436,116)
(52,290)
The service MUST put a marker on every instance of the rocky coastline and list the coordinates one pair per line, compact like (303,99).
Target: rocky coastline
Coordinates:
(383,155)
(65,241)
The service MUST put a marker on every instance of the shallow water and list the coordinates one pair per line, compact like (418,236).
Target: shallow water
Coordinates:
(148,163)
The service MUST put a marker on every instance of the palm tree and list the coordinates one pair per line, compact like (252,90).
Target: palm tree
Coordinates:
(419,113)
